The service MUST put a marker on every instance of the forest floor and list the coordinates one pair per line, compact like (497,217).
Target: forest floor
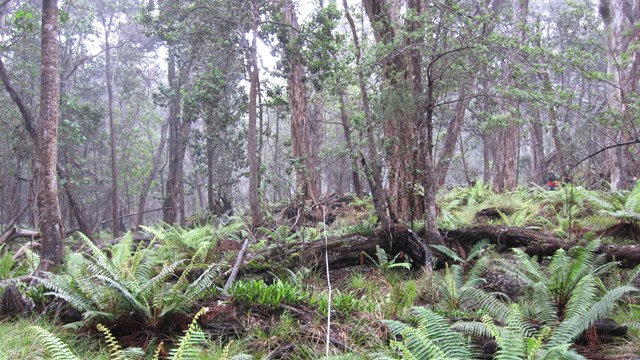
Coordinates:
(528,274)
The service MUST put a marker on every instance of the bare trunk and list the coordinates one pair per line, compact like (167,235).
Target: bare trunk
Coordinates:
(114,166)
(74,203)
(346,128)
(507,139)
(146,186)
(451,137)
(254,200)
(621,20)
(307,186)
(538,169)
(178,130)
(46,181)
(374,175)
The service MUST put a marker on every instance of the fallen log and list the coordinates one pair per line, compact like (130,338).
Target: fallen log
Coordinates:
(536,243)
(343,251)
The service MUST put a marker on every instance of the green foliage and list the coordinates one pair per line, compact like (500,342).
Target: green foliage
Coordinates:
(56,348)
(128,283)
(188,346)
(115,350)
(383,262)
(458,291)
(477,250)
(10,267)
(198,243)
(629,212)
(257,292)
(518,339)
(432,338)
(568,295)
(520,218)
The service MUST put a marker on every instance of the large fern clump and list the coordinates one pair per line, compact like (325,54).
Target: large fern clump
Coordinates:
(431,338)
(567,296)
(129,282)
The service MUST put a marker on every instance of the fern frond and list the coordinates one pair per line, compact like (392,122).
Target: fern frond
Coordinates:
(436,327)
(115,350)
(101,260)
(571,328)
(544,305)
(57,349)
(192,338)
(450,253)
(633,275)
(477,271)
(476,329)
(477,298)
(62,286)
(161,277)
(582,297)
(142,309)
(477,249)
(202,283)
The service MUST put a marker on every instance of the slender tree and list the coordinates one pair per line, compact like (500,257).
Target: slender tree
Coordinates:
(46,158)
(254,200)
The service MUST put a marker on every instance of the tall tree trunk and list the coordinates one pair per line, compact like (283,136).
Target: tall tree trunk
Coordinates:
(46,180)
(346,128)
(538,168)
(115,199)
(146,185)
(73,202)
(172,195)
(401,132)
(452,135)
(254,167)
(507,135)
(621,19)
(307,187)
(374,175)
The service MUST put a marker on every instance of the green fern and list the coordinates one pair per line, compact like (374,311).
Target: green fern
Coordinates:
(188,346)
(115,350)
(432,338)
(131,281)
(459,290)
(55,347)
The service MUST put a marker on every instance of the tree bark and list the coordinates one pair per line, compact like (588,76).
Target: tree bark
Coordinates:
(177,144)
(307,186)
(621,20)
(146,186)
(76,209)
(49,218)
(374,175)
(507,135)
(346,128)
(452,135)
(115,199)
(254,168)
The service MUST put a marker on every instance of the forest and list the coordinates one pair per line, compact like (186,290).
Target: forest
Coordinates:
(310,179)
